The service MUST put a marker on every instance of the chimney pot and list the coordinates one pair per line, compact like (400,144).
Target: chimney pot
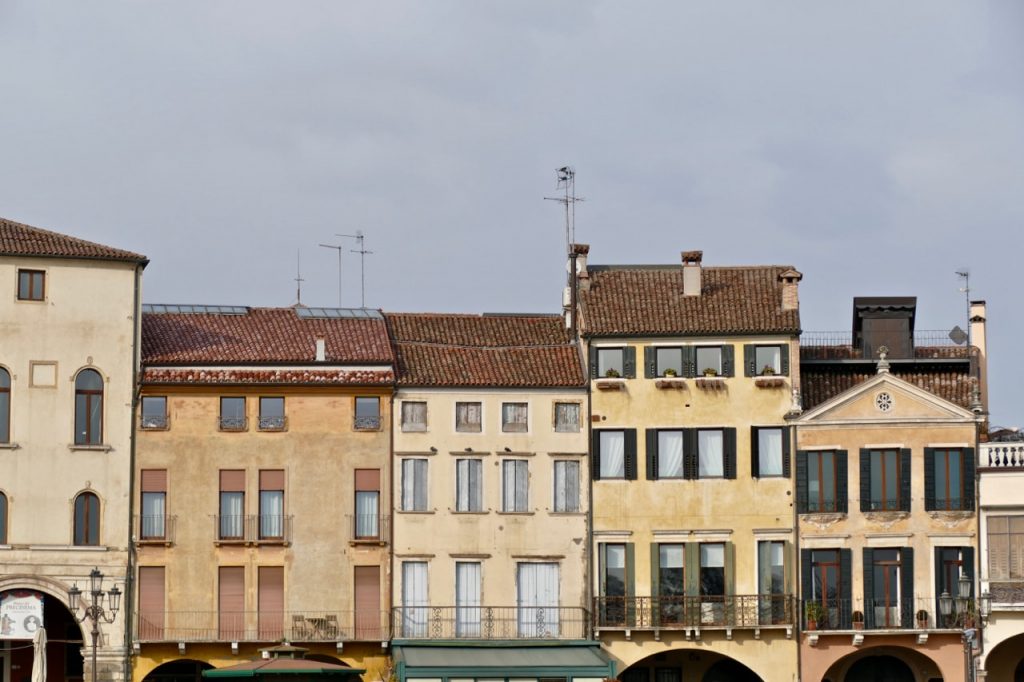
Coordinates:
(321,349)
(692,272)
(790,292)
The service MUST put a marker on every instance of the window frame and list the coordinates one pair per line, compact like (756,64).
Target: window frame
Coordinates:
(721,433)
(413,427)
(511,506)
(463,427)
(943,501)
(232,423)
(5,510)
(884,456)
(86,512)
(147,530)
(362,489)
(5,411)
(470,504)
(625,468)
(1006,574)
(89,395)
(279,492)
(153,422)
(756,454)
(272,422)
(559,427)
(620,371)
(574,506)
(682,461)
(414,476)
(366,422)
(719,371)
(506,423)
(776,368)
(32,275)
(723,568)
(821,507)
(659,372)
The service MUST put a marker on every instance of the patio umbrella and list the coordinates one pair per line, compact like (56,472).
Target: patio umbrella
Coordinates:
(39,656)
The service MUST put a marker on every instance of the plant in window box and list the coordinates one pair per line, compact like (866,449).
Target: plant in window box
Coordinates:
(670,373)
(612,374)
(922,620)
(710,372)
(814,613)
(767,371)
(858,620)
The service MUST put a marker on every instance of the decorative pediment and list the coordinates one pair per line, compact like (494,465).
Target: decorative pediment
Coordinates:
(886,398)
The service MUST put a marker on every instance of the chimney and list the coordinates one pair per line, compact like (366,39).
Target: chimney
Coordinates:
(581,251)
(692,272)
(578,278)
(977,332)
(321,349)
(790,296)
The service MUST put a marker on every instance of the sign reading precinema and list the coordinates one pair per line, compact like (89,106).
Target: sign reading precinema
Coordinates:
(21,614)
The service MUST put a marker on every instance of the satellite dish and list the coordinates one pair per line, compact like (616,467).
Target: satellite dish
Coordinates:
(958,336)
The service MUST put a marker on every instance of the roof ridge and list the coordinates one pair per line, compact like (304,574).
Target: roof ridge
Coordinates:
(678,266)
(124,254)
(437,344)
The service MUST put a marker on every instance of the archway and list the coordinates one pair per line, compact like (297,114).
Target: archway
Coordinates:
(879,669)
(688,665)
(182,670)
(728,670)
(64,640)
(896,663)
(1005,661)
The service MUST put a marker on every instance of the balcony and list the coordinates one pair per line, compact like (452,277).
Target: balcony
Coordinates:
(252,529)
(154,422)
(490,622)
(226,423)
(1001,456)
(839,345)
(370,529)
(921,614)
(695,613)
(366,423)
(278,423)
(252,626)
(155,529)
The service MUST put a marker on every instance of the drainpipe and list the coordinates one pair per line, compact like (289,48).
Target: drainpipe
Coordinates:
(129,582)
(795,563)
(590,479)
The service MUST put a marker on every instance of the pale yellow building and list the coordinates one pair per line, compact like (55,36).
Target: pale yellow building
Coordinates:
(491,500)
(692,371)
(262,488)
(68,355)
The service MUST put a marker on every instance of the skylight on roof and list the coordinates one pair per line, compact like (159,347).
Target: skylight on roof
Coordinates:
(338,313)
(162,308)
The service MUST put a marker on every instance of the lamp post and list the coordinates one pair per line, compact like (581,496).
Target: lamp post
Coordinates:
(94,611)
(963,610)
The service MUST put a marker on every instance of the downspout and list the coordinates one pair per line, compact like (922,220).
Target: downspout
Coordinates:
(129,582)
(391,503)
(795,563)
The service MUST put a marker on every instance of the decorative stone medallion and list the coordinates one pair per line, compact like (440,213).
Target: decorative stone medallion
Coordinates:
(883,401)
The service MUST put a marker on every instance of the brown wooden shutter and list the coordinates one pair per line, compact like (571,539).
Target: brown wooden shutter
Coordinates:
(368,480)
(232,480)
(154,480)
(151,602)
(367,594)
(271,602)
(271,479)
(232,602)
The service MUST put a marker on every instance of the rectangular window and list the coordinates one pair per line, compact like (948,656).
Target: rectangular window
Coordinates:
(710,453)
(770,452)
(537,588)
(614,579)
(153,524)
(414,415)
(414,485)
(567,417)
(272,414)
(31,285)
(231,602)
(671,576)
(514,417)
(232,414)
(610,362)
(1006,548)
(515,485)
(709,361)
(771,581)
(768,360)
(950,563)
(367,524)
(270,602)
(712,569)
(821,482)
(415,604)
(468,417)
(668,362)
(469,485)
(826,589)
(613,449)
(567,485)
(151,603)
(885,596)
(272,504)
(670,454)
(154,412)
(232,504)
(467,599)
(367,413)
(885,480)
(367,603)
(948,466)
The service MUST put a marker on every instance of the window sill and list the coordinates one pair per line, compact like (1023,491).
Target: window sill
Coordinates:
(406,429)
(68,548)
(670,383)
(769,382)
(153,542)
(238,430)
(711,383)
(279,542)
(610,384)
(154,428)
(417,511)
(282,429)
(240,542)
(567,513)
(94,448)
(368,542)
(470,513)
(516,513)
(477,431)
(9,446)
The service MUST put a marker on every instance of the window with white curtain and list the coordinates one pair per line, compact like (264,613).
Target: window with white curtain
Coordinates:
(769,452)
(515,485)
(567,485)
(271,513)
(414,484)
(567,417)
(232,515)
(710,454)
(468,417)
(514,417)
(670,454)
(414,598)
(613,454)
(469,485)
(367,513)
(538,599)
(154,509)
(414,415)
(467,599)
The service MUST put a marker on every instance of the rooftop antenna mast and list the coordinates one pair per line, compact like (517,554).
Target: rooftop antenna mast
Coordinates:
(965,275)
(298,278)
(567,182)
(338,249)
(360,239)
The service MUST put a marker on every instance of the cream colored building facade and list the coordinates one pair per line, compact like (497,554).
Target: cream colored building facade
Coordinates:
(67,365)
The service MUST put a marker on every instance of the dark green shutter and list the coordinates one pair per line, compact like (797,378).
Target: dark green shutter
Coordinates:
(806,578)
(729,452)
(595,455)
(801,481)
(869,587)
(787,470)
(967,563)
(629,362)
(629,442)
(602,572)
(650,364)
(728,360)
(730,568)
(690,466)
(784,364)
(630,584)
(846,588)
(652,454)
(842,482)
(691,569)
(907,587)
(755,453)
(929,479)
(787,568)
(968,487)
(593,362)
(655,590)
(905,480)
(748,360)
(865,480)
(938,583)
(689,361)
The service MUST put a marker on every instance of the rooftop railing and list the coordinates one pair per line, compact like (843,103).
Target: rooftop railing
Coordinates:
(1001,455)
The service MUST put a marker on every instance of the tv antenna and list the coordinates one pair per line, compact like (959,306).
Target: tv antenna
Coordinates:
(360,239)
(338,249)
(567,182)
(965,275)
(298,278)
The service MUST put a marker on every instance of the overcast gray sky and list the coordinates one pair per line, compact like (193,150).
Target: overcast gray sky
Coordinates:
(876,146)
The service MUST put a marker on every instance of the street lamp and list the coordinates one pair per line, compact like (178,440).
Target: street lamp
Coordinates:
(95,611)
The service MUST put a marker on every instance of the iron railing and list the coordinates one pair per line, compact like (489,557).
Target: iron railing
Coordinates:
(225,423)
(369,527)
(272,423)
(490,622)
(155,422)
(253,626)
(156,528)
(681,612)
(920,613)
(366,423)
(253,528)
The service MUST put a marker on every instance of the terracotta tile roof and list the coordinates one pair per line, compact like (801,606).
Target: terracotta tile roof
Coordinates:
(951,382)
(327,377)
(503,351)
(261,336)
(632,300)
(848,352)
(17,239)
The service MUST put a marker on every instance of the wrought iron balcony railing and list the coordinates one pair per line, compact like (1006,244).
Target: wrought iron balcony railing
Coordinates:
(155,528)
(490,622)
(366,423)
(920,613)
(226,423)
(369,527)
(253,528)
(153,422)
(272,423)
(684,612)
(254,626)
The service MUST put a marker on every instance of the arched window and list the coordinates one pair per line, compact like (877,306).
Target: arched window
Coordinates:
(5,406)
(87,519)
(88,408)
(3,519)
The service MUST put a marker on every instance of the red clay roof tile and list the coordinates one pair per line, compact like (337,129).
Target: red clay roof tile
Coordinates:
(17,239)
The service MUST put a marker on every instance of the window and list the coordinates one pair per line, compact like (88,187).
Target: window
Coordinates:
(367,503)
(153,524)
(949,479)
(414,415)
(5,406)
(882,587)
(1006,547)
(469,485)
(415,604)
(709,361)
(270,602)
(712,569)
(87,519)
(3,519)
(231,602)
(668,362)
(771,581)
(232,414)
(537,588)
(88,408)
(611,454)
(670,454)
(467,599)
(31,285)
(827,589)
(367,413)
(567,485)
(272,414)
(615,570)
(231,524)
(154,412)
(414,485)
(514,417)
(467,417)
(710,453)
(567,417)
(770,451)
(151,603)
(515,485)
(885,480)
(610,362)
(950,563)
(691,453)
(766,360)
(272,504)
(821,481)
(670,585)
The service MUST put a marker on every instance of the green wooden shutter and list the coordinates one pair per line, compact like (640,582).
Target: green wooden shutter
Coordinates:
(652,454)
(730,568)
(691,569)
(969,472)
(784,364)
(937,559)
(602,571)
(787,567)
(629,442)
(869,587)
(842,482)
(787,469)
(690,465)
(967,562)
(630,584)
(689,361)
(655,591)
(748,360)
(650,362)
(755,453)
(729,452)
(846,587)
(629,362)
(801,481)
(865,480)
(728,360)
(905,480)
(595,455)
(907,587)
(929,479)
(593,362)
(806,578)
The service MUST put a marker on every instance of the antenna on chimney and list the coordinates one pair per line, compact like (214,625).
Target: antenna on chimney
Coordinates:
(298,278)
(358,236)
(965,275)
(567,181)
(338,249)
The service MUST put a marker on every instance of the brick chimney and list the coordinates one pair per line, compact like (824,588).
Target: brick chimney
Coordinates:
(790,295)
(977,327)
(692,272)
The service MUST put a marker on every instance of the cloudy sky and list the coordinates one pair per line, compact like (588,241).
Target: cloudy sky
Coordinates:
(876,146)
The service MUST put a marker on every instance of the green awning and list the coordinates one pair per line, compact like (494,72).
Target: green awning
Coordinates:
(515,659)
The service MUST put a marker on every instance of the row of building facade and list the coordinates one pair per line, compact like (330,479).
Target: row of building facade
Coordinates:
(669,482)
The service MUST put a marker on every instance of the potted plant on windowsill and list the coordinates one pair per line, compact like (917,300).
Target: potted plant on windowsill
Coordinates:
(814,613)
(612,374)
(922,620)
(767,371)
(858,620)
(670,373)
(710,372)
